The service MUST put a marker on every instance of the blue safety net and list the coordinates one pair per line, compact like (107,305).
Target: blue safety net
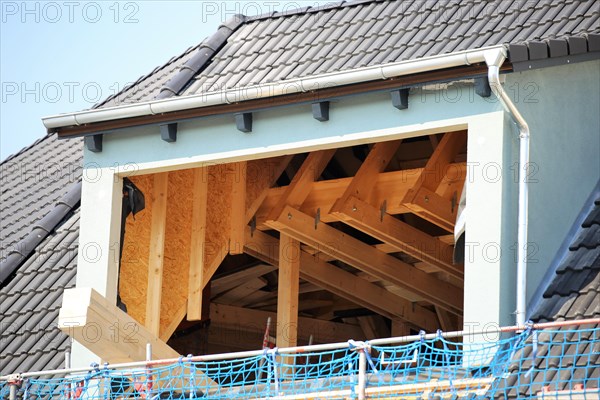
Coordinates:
(562,363)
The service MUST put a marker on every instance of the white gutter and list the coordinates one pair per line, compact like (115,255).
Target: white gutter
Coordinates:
(494,63)
(291,86)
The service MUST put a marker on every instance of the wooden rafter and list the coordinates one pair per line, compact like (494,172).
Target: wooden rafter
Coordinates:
(157,252)
(344,284)
(300,186)
(361,186)
(422,198)
(416,284)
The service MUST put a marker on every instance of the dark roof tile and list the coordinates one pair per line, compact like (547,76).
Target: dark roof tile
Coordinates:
(30,299)
(573,294)
(316,40)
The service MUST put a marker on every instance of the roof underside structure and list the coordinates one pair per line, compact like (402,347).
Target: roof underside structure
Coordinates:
(342,295)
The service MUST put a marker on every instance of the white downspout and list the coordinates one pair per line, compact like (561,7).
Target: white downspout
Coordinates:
(494,60)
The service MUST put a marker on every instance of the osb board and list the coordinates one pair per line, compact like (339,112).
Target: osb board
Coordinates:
(134,269)
(134,266)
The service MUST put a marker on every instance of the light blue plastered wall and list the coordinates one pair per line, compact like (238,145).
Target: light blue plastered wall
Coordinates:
(561,105)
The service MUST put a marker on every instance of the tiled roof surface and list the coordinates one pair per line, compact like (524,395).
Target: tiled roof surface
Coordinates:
(30,339)
(349,35)
(574,293)
(32,181)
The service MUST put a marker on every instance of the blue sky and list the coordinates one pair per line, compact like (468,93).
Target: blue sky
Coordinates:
(62,56)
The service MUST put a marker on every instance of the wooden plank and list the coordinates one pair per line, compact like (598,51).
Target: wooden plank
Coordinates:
(157,248)
(300,186)
(287,291)
(416,284)
(196,278)
(345,284)
(238,209)
(402,236)
(361,186)
(108,332)
(249,320)
(389,186)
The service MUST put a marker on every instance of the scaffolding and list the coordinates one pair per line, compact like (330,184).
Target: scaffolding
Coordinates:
(558,360)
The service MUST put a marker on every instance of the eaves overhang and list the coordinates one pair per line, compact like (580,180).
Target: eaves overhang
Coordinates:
(447,67)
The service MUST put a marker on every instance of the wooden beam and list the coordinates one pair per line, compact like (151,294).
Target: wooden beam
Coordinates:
(157,248)
(287,291)
(110,333)
(389,186)
(422,198)
(361,186)
(416,284)
(345,284)
(103,328)
(196,278)
(300,186)
(402,236)
(249,320)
